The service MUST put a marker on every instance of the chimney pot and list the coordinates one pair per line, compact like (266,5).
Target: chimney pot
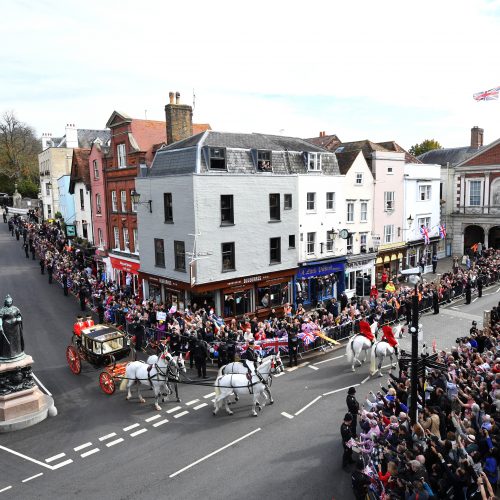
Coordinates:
(177,98)
(171,97)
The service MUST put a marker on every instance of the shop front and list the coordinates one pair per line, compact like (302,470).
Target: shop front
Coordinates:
(319,281)
(103,265)
(126,273)
(418,249)
(359,274)
(390,257)
(168,291)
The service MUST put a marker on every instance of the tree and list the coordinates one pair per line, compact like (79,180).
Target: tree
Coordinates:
(19,148)
(423,147)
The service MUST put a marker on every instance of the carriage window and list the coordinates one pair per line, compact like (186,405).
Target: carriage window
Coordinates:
(97,347)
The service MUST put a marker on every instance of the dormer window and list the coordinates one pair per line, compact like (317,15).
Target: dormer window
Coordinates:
(217,158)
(264,161)
(314,162)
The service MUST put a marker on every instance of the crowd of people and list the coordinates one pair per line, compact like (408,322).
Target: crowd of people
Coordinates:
(452,449)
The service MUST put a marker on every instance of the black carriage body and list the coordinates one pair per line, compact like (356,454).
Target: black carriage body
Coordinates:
(102,343)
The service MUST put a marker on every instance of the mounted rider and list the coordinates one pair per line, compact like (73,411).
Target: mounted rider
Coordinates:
(388,336)
(366,331)
(250,358)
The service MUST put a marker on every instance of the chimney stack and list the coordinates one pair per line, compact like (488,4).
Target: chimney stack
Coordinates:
(179,118)
(476,137)
(71,136)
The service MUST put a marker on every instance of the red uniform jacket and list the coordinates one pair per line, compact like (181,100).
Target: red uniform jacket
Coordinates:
(77,328)
(364,329)
(88,323)
(388,335)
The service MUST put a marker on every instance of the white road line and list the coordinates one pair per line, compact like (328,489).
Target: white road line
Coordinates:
(279,374)
(5,489)
(116,441)
(41,385)
(82,446)
(200,406)
(192,402)
(130,427)
(304,364)
(287,415)
(182,413)
(209,395)
(8,450)
(161,422)
(136,433)
(328,360)
(313,367)
(32,477)
(62,464)
(174,409)
(55,457)
(107,436)
(308,405)
(154,417)
(292,369)
(338,390)
(90,452)
(498,290)
(214,453)
(366,379)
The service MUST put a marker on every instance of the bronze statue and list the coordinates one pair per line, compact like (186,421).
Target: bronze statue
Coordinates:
(11,332)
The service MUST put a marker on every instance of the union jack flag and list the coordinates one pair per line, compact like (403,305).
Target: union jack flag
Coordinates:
(442,231)
(274,346)
(424,231)
(307,337)
(256,347)
(487,95)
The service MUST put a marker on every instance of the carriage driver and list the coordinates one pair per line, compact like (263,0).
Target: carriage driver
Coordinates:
(88,321)
(250,357)
(78,327)
(388,336)
(365,330)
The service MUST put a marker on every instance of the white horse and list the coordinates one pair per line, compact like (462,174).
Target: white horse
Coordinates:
(359,344)
(239,384)
(156,375)
(380,350)
(176,366)
(241,368)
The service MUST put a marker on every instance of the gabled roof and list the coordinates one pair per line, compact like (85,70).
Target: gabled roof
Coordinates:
(394,146)
(487,155)
(345,160)
(148,132)
(451,156)
(80,170)
(330,142)
(86,137)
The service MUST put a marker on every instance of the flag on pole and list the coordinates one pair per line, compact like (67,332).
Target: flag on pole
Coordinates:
(487,95)
(424,231)
(442,231)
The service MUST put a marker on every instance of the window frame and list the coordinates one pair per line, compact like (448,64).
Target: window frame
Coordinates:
(291,241)
(231,252)
(314,159)
(360,177)
(126,239)
(121,155)
(389,201)
(330,241)
(287,201)
(179,254)
(82,200)
(159,262)
(264,164)
(135,233)
(213,157)
(350,213)
(350,243)
(116,237)
(100,237)
(98,204)
(276,249)
(311,243)
(479,183)
(95,166)
(331,200)
(274,207)
(424,192)
(308,202)
(168,208)
(388,233)
(123,202)
(229,210)
(114,201)
(133,205)
(363,214)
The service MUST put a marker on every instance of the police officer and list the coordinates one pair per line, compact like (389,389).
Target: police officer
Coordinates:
(200,356)
(32,250)
(100,309)
(346,433)
(82,294)
(65,283)
(16,230)
(191,348)
(50,271)
(293,346)
(26,249)
(468,292)
(42,265)
(479,286)
(353,409)
(11,227)
(435,301)
(4,216)
(137,330)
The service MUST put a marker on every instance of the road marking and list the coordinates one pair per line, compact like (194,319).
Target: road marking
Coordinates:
(192,402)
(161,422)
(130,427)
(154,417)
(173,409)
(200,406)
(107,436)
(182,413)
(90,452)
(474,300)
(287,415)
(180,471)
(8,450)
(292,369)
(313,367)
(41,385)
(5,489)
(62,464)
(279,374)
(32,477)
(55,457)
(82,446)
(366,379)
(328,360)
(338,390)
(209,395)
(136,433)
(498,290)
(308,405)
(304,364)
(116,441)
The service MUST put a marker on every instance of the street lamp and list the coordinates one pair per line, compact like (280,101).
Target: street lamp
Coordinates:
(410,221)
(135,200)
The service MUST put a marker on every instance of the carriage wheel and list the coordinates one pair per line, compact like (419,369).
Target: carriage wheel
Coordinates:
(73,359)
(110,361)
(107,383)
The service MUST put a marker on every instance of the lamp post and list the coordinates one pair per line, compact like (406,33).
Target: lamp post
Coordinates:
(136,200)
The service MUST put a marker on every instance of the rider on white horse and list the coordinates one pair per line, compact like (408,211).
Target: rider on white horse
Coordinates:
(388,336)
(250,360)
(366,331)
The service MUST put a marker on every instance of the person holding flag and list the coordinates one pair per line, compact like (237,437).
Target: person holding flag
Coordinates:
(424,231)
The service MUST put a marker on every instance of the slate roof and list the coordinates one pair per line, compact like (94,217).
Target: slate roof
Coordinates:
(330,142)
(85,138)
(287,154)
(453,156)
(80,170)
(394,146)
(345,160)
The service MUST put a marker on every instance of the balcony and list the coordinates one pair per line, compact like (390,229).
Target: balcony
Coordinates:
(486,210)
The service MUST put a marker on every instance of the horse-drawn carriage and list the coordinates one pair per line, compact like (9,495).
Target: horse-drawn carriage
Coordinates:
(100,346)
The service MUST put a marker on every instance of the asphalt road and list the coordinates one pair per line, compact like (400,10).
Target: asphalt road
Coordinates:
(105,447)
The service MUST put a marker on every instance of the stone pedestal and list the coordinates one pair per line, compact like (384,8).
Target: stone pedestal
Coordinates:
(21,402)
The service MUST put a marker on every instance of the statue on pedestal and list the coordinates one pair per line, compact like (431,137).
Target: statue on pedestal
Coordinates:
(11,332)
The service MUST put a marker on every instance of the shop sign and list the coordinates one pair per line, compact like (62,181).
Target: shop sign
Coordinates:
(70,230)
(359,263)
(125,265)
(319,270)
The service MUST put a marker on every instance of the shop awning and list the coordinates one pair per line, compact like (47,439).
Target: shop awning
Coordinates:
(125,265)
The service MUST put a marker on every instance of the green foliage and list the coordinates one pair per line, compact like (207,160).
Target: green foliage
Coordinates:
(58,215)
(28,188)
(424,146)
